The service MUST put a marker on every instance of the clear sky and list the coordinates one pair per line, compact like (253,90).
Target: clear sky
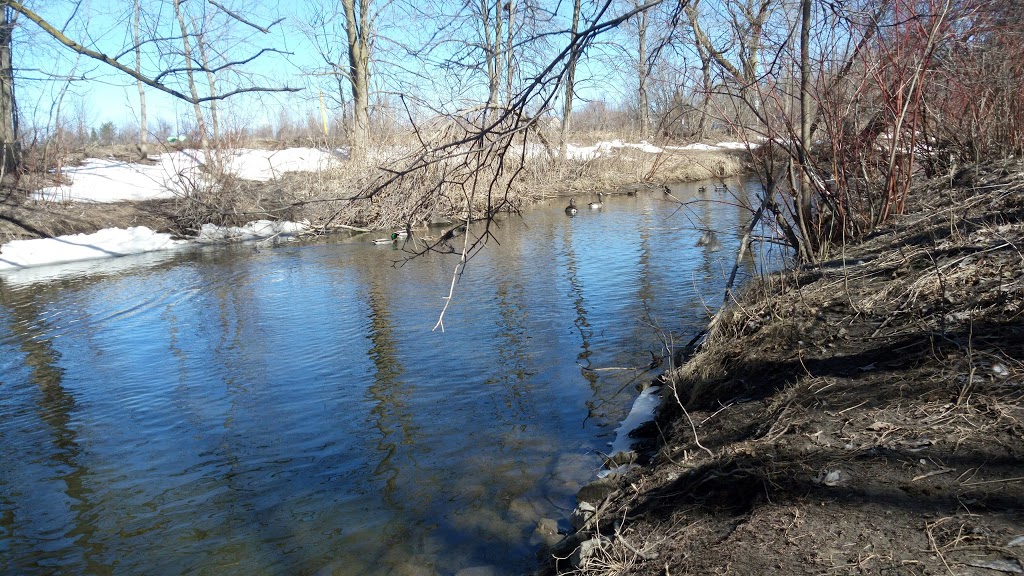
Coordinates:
(97,93)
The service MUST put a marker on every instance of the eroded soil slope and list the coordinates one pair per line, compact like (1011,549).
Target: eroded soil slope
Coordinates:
(862,417)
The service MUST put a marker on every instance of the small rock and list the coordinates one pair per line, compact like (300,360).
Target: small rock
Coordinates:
(581,514)
(546,533)
(620,459)
(597,490)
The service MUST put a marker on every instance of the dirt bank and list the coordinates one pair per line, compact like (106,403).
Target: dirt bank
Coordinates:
(861,417)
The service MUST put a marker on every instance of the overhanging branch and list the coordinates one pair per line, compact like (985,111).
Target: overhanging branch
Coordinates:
(63,39)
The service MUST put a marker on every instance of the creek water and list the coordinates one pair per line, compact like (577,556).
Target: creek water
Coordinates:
(289,410)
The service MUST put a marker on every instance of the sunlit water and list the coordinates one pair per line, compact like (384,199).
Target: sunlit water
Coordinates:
(289,410)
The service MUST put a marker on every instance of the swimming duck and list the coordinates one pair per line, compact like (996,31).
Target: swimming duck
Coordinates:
(721,187)
(702,189)
(599,203)
(393,238)
(570,210)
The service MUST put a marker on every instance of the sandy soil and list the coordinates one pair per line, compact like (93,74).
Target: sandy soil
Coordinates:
(861,417)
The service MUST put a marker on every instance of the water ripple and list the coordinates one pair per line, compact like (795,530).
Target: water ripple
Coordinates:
(233,412)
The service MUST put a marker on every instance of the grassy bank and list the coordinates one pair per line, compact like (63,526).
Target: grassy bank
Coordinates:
(861,417)
(347,195)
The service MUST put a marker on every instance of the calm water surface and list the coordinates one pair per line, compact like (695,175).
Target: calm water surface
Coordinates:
(289,410)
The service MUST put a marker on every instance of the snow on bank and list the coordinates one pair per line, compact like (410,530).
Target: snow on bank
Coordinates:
(107,243)
(641,413)
(257,230)
(114,242)
(264,165)
(99,180)
(607,148)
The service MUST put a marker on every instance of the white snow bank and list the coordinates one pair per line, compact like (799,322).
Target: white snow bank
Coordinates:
(98,180)
(113,181)
(251,231)
(605,148)
(263,165)
(712,147)
(106,243)
(694,146)
(113,242)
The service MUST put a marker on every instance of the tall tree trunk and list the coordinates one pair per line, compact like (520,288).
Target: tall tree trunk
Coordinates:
(492,42)
(804,197)
(570,82)
(9,148)
(211,79)
(643,112)
(190,73)
(509,63)
(358,29)
(701,131)
(143,128)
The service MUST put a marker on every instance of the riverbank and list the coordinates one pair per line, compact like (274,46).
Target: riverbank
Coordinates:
(864,416)
(170,193)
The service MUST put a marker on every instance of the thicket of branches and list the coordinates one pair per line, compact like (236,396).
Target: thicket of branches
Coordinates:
(856,100)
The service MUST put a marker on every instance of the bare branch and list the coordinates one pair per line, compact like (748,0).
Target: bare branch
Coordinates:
(63,39)
(265,30)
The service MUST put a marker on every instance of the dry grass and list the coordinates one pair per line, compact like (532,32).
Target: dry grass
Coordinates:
(442,190)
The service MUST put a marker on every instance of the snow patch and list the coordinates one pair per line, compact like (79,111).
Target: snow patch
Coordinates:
(107,243)
(641,413)
(107,180)
(257,230)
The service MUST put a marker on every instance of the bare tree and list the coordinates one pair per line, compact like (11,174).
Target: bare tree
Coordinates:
(8,114)
(137,39)
(13,9)
(570,79)
(359,29)
(643,73)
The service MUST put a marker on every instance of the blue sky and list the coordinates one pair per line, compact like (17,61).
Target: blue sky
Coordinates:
(103,94)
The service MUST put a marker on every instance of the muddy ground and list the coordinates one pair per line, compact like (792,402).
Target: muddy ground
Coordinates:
(861,417)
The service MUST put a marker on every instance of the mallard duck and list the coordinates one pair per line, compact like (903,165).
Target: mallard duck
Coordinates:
(702,189)
(570,210)
(392,239)
(721,187)
(599,203)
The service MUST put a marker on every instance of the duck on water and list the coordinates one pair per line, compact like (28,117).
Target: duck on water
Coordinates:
(571,210)
(393,238)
